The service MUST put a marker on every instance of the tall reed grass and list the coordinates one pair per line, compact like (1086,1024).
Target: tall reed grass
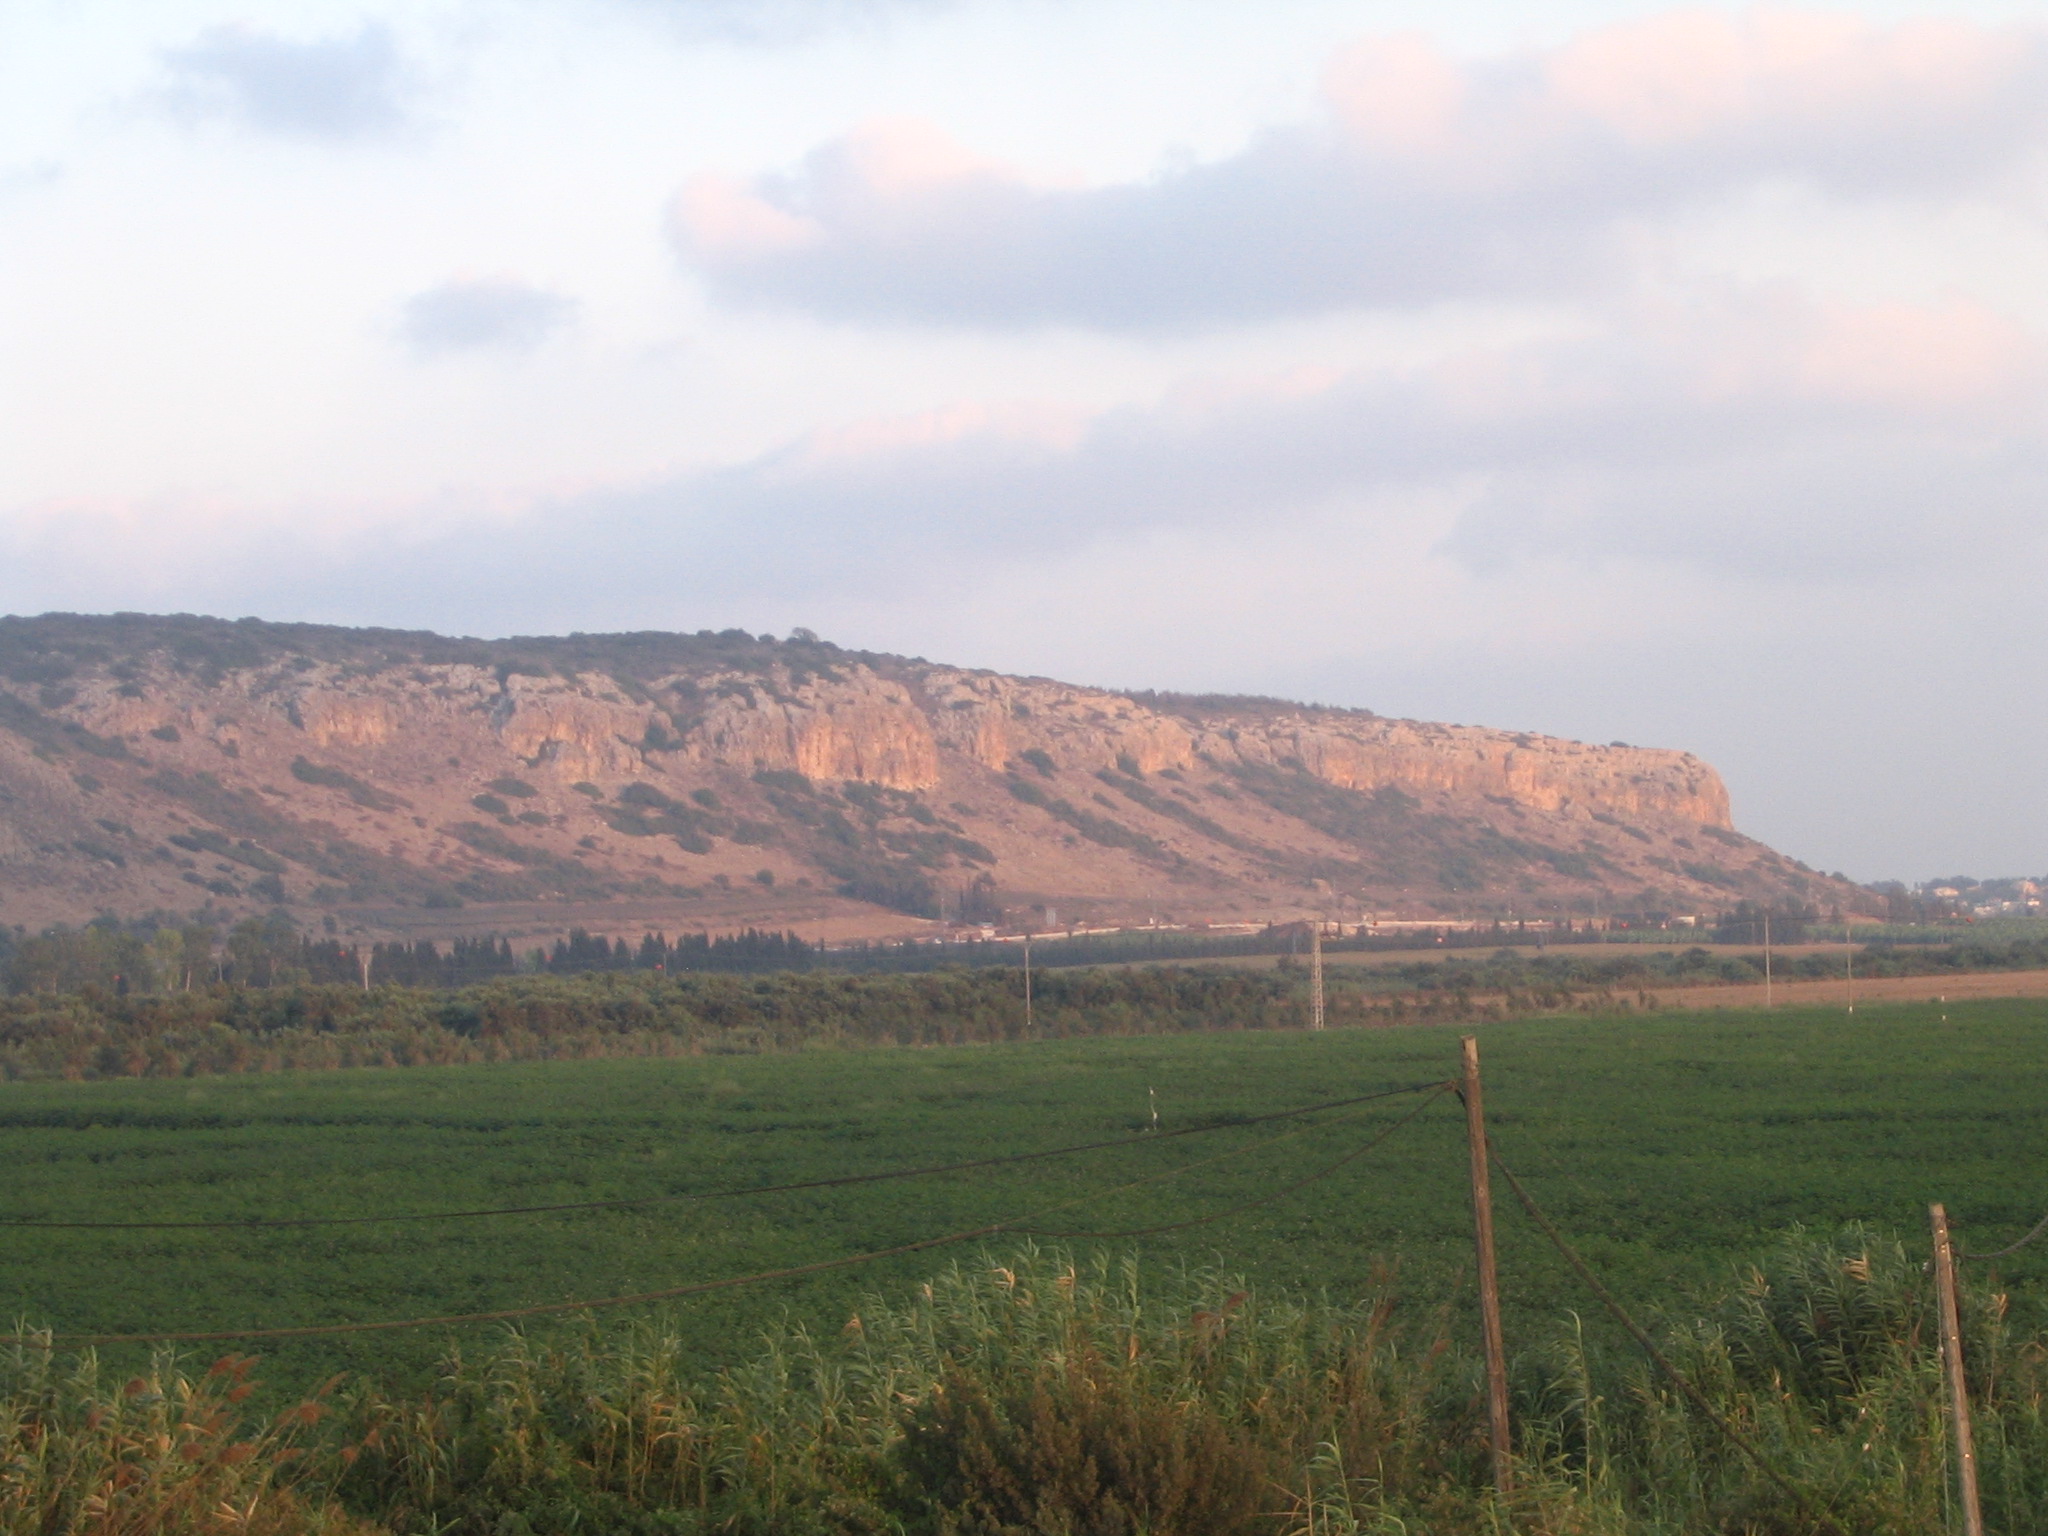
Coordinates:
(84,1453)
(1025,1394)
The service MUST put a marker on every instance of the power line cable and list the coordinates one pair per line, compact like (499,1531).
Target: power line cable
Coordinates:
(1999,1253)
(839,1181)
(1649,1346)
(1017,1226)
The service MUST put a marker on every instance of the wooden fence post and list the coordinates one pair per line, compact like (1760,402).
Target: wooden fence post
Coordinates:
(1489,1280)
(1315,975)
(1952,1368)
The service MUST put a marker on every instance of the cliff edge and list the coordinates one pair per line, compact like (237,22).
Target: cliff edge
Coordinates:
(415,784)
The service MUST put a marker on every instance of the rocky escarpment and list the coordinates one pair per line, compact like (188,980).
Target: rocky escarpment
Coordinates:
(994,720)
(417,782)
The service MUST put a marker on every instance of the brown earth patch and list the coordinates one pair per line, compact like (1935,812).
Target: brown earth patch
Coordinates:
(1839,992)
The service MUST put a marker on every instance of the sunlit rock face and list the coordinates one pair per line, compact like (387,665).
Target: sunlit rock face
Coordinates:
(674,780)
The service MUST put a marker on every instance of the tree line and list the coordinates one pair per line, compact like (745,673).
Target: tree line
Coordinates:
(107,959)
(113,958)
(226,1028)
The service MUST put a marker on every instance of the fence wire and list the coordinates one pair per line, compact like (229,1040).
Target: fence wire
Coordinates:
(1662,1361)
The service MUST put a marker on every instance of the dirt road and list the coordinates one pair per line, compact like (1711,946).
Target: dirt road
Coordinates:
(1836,993)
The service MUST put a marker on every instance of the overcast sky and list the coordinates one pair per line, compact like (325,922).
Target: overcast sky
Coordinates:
(1624,372)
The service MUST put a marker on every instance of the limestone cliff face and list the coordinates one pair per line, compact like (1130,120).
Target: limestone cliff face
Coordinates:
(1536,771)
(339,719)
(857,727)
(994,719)
(162,763)
(563,729)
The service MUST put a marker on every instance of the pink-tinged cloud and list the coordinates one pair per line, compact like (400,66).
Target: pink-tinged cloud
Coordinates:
(726,216)
(1961,354)
(1746,435)
(1426,177)
(1957,360)
(1699,75)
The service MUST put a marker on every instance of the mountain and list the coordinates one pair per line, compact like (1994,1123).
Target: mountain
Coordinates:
(409,784)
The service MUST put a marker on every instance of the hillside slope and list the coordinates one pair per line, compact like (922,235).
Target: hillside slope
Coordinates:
(414,784)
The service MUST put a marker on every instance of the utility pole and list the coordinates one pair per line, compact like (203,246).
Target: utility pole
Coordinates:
(1489,1279)
(1767,960)
(1952,1368)
(1315,977)
(1027,985)
(1849,961)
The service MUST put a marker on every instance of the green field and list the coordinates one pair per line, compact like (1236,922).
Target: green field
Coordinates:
(1674,1148)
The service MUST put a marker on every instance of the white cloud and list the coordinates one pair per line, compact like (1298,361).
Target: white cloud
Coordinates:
(775,22)
(1734,437)
(1738,436)
(1425,178)
(483,313)
(331,88)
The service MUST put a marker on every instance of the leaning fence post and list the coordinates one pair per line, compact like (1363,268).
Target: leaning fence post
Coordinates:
(1489,1280)
(1952,1368)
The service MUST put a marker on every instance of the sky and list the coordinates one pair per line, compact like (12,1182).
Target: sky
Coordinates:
(1671,375)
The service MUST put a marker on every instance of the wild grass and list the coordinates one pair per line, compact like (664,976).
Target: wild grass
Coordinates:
(1040,1392)
(87,1453)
